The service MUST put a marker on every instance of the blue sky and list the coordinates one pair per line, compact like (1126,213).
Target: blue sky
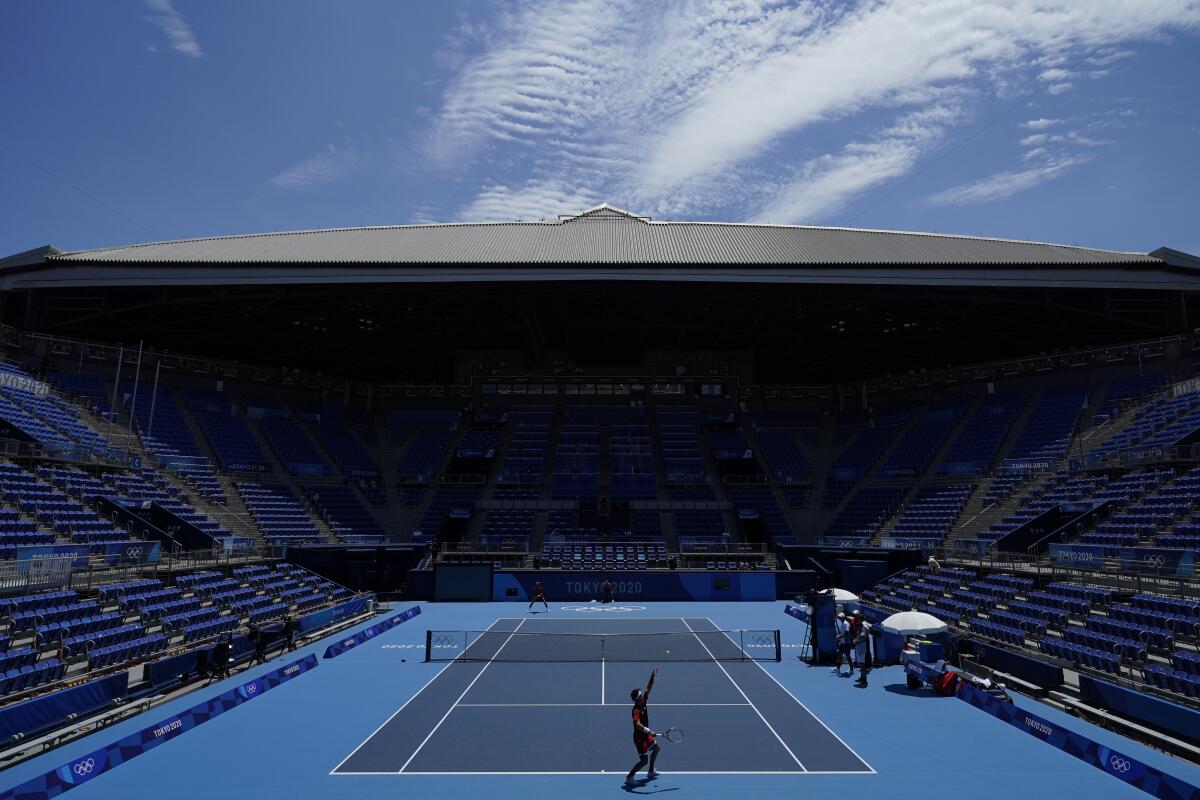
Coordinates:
(1054,120)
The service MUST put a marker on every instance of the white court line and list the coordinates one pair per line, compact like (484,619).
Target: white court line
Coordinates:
(601,680)
(743,694)
(806,708)
(461,696)
(598,705)
(401,708)
(597,619)
(617,773)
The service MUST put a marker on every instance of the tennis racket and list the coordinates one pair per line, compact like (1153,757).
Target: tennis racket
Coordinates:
(674,735)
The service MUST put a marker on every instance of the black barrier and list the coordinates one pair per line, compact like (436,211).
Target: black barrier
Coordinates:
(1121,766)
(1168,717)
(41,714)
(1041,674)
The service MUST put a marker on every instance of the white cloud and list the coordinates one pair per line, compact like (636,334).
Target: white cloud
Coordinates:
(533,200)
(326,167)
(1106,56)
(179,34)
(1002,185)
(826,184)
(1041,124)
(672,105)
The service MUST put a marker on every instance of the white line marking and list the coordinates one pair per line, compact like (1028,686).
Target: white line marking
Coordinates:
(795,772)
(597,705)
(574,620)
(743,694)
(398,710)
(461,696)
(806,708)
(601,681)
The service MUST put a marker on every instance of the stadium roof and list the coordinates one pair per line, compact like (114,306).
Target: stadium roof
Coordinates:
(605,235)
(601,244)
(827,304)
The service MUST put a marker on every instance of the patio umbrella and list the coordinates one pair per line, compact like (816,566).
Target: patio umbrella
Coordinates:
(912,623)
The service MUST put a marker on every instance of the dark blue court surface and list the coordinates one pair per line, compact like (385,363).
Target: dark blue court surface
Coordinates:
(477,716)
(379,722)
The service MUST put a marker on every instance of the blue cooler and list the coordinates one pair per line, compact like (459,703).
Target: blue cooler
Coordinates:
(931,652)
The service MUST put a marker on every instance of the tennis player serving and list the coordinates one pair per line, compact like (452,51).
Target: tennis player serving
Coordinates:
(643,736)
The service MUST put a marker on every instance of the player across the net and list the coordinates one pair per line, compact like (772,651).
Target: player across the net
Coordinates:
(734,645)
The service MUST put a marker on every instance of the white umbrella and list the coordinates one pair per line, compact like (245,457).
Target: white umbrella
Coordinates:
(842,597)
(912,623)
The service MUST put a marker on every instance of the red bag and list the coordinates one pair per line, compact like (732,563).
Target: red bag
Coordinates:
(946,683)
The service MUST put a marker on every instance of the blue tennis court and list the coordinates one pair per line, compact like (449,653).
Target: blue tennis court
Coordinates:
(571,679)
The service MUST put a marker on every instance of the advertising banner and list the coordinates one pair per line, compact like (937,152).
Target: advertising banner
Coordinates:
(353,640)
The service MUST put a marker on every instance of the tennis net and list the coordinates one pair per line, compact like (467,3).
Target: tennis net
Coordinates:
(738,645)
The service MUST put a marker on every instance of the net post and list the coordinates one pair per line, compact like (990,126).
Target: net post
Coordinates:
(742,644)
(778,647)
(428,644)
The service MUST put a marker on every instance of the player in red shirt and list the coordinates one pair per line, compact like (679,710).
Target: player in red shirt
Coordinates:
(643,736)
(539,596)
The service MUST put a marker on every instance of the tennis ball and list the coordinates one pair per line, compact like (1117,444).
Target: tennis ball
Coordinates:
(668,651)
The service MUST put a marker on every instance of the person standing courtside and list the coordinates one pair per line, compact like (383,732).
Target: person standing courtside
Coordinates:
(289,632)
(843,644)
(258,638)
(861,631)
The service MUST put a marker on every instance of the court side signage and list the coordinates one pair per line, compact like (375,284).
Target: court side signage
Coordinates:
(1163,561)
(581,586)
(355,639)
(97,762)
(1126,768)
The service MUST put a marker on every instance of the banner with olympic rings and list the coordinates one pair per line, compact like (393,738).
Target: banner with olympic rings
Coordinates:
(354,639)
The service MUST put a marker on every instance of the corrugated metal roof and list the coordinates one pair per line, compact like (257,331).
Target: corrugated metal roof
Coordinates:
(605,235)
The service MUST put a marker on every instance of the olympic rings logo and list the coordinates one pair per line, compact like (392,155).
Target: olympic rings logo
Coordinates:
(84,767)
(1155,561)
(133,552)
(251,688)
(763,640)
(602,609)
(444,641)
(1119,764)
